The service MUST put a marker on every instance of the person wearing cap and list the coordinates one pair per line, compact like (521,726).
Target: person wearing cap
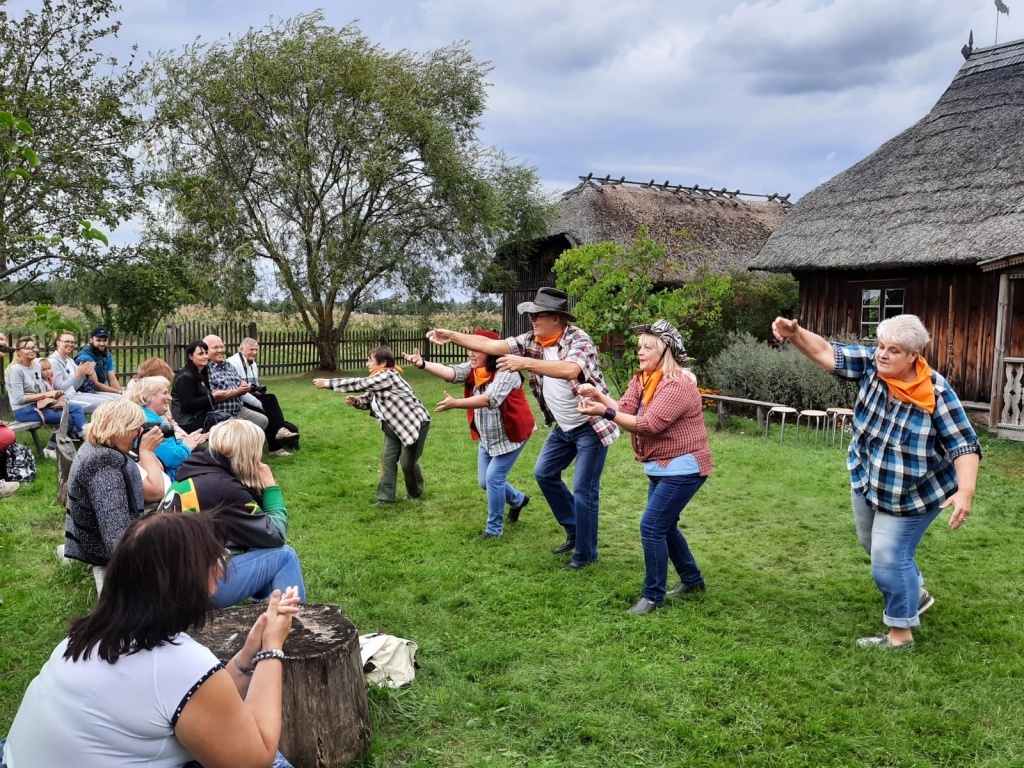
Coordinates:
(499,418)
(559,358)
(102,377)
(663,412)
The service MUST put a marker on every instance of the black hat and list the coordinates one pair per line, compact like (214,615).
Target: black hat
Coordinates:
(667,332)
(100,333)
(548,300)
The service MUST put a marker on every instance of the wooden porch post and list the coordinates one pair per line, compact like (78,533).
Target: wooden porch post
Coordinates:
(1003,320)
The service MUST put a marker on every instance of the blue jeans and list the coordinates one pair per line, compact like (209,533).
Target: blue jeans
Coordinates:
(576,512)
(256,574)
(279,762)
(492,474)
(892,542)
(76,418)
(667,496)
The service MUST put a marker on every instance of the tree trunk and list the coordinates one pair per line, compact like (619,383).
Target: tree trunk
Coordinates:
(325,716)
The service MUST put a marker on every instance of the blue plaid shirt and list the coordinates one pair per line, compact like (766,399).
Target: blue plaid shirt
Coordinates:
(901,456)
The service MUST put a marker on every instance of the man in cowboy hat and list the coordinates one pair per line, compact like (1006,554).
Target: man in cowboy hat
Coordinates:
(559,358)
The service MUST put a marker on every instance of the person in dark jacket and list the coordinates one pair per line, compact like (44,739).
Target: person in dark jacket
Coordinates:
(192,398)
(231,478)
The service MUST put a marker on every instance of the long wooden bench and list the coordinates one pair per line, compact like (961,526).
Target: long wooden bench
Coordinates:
(29,426)
(724,401)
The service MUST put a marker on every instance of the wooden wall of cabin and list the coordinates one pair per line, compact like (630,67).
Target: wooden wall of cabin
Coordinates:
(531,274)
(961,350)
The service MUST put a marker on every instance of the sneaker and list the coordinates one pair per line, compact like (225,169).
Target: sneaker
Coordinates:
(8,488)
(59,552)
(883,641)
(280,452)
(683,589)
(513,512)
(926,601)
(285,434)
(49,453)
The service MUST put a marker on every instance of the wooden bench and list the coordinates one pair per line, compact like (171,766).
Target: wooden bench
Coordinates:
(725,401)
(29,426)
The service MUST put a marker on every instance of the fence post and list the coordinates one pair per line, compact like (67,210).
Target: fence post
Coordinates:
(250,331)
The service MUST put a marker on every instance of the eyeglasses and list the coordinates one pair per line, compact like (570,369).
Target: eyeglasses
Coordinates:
(537,315)
(28,349)
(65,341)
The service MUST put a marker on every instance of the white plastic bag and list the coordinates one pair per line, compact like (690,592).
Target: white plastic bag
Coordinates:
(388,661)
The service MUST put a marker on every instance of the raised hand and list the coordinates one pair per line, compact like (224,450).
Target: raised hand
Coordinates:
(151,439)
(439,336)
(445,405)
(785,329)
(415,358)
(279,614)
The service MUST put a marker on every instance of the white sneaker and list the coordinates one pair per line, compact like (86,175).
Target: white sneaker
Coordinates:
(59,552)
(8,488)
(286,434)
(49,453)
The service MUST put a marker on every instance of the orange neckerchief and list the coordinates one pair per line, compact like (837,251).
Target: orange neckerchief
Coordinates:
(391,368)
(650,383)
(481,376)
(549,341)
(919,392)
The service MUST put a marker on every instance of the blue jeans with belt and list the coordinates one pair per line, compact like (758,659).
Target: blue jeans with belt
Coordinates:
(76,418)
(577,511)
(660,536)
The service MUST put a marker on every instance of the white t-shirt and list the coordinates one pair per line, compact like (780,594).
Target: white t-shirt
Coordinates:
(559,399)
(91,714)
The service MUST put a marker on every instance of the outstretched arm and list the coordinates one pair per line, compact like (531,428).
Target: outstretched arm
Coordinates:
(470,341)
(809,344)
(443,372)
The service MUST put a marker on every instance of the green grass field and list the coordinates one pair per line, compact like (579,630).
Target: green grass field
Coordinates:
(523,664)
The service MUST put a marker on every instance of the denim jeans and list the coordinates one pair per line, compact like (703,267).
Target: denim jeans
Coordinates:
(76,418)
(279,762)
(892,542)
(576,512)
(256,574)
(393,453)
(662,541)
(492,474)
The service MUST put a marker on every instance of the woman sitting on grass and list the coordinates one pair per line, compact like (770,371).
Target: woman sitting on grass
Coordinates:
(663,412)
(153,395)
(499,417)
(128,686)
(913,453)
(231,479)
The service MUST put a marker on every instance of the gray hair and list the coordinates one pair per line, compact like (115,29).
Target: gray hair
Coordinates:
(246,342)
(905,330)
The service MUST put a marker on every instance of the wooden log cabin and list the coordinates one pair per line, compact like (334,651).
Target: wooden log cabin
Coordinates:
(726,228)
(931,224)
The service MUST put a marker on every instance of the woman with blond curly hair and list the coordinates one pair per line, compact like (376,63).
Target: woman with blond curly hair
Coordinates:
(153,395)
(231,478)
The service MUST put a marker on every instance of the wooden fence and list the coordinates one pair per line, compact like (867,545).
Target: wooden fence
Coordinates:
(281,352)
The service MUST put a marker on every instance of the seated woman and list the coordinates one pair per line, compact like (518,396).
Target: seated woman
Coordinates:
(153,395)
(128,686)
(192,397)
(30,401)
(106,489)
(230,478)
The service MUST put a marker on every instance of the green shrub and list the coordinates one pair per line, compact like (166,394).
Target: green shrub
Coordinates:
(755,370)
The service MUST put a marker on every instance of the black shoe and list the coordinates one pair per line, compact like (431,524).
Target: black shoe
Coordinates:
(513,512)
(566,546)
(644,605)
(572,565)
(683,589)
(486,535)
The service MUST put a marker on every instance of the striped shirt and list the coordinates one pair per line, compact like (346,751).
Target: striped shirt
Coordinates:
(389,399)
(901,456)
(488,421)
(577,347)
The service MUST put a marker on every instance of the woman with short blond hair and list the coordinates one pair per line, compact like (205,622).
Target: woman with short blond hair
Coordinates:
(153,395)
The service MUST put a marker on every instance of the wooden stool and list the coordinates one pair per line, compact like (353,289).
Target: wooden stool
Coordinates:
(782,411)
(820,420)
(840,417)
(325,720)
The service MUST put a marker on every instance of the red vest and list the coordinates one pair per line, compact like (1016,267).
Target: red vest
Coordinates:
(516,416)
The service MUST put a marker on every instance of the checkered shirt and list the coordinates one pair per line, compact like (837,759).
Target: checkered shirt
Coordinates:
(488,421)
(671,424)
(901,456)
(224,376)
(577,347)
(389,399)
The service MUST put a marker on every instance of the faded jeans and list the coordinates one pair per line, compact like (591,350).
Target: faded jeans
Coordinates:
(76,418)
(492,474)
(892,542)
(256,574)
(660,536)
(393,453)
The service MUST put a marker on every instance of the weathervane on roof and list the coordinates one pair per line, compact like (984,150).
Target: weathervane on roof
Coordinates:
(1001,7)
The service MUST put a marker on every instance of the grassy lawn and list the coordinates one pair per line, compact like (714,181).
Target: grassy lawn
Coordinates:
(523,664)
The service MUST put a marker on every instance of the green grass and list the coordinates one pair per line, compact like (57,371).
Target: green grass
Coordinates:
(523,664)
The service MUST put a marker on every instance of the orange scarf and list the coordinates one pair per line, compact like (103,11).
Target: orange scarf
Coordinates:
(549,341)
(481,376)
(919,392)
(392,368)
(650,383)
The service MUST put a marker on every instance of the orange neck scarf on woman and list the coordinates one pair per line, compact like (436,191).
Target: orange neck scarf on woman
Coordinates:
(919,392)
(481,376)
(548,341)
(389,368)
(650,383)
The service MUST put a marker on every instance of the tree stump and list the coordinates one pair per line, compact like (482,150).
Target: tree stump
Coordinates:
(325,720)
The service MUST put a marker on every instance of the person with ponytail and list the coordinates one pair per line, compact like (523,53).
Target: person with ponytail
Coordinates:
(663,412)
(499,418)
(403,419)
(912,454)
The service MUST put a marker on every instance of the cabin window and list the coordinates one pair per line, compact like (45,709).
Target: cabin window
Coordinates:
(877,304)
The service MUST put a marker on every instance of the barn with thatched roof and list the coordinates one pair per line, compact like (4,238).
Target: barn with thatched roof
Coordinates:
(931,223)
(726,228)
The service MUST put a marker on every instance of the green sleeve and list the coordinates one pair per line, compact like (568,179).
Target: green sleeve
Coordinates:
(273,505)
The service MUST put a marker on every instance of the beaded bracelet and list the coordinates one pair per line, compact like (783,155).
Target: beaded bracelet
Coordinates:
(267,653)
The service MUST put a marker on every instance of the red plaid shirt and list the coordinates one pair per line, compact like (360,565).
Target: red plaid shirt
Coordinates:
(671,425)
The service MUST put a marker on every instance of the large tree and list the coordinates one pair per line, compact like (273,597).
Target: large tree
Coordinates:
(354,170)
(78,103)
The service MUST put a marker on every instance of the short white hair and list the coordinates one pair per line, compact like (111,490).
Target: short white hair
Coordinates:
(905,330)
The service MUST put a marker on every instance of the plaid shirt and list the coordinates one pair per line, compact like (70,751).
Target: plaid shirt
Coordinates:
(901,456)
(577,347)
(224,376)
(389,399)
(671,424)
(488,421)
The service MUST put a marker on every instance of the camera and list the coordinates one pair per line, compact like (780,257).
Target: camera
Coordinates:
(257,391)
(167,430)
